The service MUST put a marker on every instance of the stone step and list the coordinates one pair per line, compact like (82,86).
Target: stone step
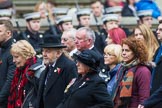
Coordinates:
(25,6)
(128,22)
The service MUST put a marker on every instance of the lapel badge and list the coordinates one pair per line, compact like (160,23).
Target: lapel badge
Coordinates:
(87,79)
(82,84)
(70,84)
(41,36)
(28,36)
(58,70)
(55,70)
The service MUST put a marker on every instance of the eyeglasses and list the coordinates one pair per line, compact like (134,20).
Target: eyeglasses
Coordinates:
(108,54)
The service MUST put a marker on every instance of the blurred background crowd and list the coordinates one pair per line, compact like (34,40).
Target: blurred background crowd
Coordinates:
(80,54)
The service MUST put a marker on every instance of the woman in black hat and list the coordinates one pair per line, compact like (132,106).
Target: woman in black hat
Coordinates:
(88,90)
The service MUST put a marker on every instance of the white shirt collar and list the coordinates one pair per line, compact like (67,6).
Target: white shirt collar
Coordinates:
(72,52)
(91,47)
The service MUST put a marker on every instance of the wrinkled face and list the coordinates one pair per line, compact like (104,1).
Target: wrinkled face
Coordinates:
(85,21)
(34,25)
(4,34)
(19,60)
(147,21)
(111,24)
(109,59)
(138,34)
(69,41)
(49,55)
(109,40)
(127,54)
(159,32)
(81,40)
(97,9)
(67,26)
(82,69)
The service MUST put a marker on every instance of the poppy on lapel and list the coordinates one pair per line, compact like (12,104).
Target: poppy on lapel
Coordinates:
(58,70)
(0,61)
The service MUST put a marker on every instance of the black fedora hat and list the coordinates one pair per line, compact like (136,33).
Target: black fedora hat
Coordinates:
(51,41)
(89,58)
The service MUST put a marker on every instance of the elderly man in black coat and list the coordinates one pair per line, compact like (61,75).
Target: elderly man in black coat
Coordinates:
(59,72)
(7,66)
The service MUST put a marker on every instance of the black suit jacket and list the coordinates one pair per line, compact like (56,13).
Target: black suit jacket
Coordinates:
(87,92)
(127,12)
(102,65)
(51,94)
(155,100)
(99,43)
(7,68)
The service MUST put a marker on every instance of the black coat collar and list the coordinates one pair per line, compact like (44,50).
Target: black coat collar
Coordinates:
(7,44)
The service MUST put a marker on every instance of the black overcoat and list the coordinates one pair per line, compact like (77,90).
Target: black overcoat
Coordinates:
(7,68)
(87,92)
(51,94)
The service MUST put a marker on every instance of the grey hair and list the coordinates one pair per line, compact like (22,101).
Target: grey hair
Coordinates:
(89,33)
(72,32)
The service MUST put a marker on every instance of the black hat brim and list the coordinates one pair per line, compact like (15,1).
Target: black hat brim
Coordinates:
(52,46)
(84,61)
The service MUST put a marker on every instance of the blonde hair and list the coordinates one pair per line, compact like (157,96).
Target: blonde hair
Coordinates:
(46,8)
(149,39)
(114,49)
(23,48)
(36,8)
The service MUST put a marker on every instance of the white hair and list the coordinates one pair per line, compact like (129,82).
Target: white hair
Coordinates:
(89,33)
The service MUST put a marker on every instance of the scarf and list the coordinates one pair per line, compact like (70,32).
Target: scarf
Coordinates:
(125,77)
(17,91)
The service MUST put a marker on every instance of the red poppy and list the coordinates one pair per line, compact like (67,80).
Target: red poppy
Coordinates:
(18,103)
(0,61)
(58,70)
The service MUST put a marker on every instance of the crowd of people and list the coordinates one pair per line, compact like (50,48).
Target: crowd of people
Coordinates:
(81,67)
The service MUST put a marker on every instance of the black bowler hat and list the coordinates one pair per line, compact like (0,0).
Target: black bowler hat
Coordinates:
(89,58)
(51,41)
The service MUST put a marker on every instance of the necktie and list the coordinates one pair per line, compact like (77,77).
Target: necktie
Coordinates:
(48,74)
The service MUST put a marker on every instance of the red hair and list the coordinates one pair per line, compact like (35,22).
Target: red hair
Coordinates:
(117,34)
